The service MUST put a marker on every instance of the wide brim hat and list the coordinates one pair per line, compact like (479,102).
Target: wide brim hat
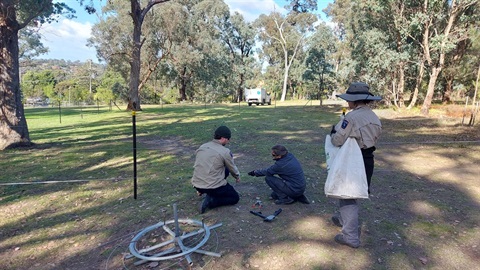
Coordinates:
(358,91)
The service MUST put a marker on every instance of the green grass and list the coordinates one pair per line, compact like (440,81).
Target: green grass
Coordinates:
(96,144)
(88,209)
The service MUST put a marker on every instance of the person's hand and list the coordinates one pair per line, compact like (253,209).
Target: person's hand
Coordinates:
(252,173)
(333,130)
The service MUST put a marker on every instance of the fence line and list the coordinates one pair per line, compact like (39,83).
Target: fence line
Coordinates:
(59,181)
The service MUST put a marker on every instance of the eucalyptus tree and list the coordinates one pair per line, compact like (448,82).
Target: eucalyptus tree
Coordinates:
(460,61)
(282,37)
(375,31)
(138,15)
(199,57)
(14,16)
(111,87)
(30,44)
(302,5)
(210,19)
(468,69)
(239,37)
(122,45)
(443,24)
(321,59)
(318,68)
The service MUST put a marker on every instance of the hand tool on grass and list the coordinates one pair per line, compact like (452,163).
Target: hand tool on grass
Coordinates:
(267,218)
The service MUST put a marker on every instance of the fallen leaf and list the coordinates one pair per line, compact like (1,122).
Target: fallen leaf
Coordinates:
(153,264)
(423,260)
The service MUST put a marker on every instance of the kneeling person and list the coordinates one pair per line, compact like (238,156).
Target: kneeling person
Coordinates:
(290,184)
(213,164)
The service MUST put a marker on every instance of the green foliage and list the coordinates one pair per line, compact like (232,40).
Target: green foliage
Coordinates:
(39,84)
(302,5)
(111,88)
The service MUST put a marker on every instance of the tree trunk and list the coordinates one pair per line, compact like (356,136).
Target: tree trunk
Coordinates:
(240,87)
(427,103)
(447,93)
(183,85)
(133,99)
(394,92)
(401,85)
(285,77)
(13,125)
(418,83)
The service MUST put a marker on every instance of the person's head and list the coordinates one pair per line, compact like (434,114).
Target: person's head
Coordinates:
(358,93)
(279,151)
(223,134)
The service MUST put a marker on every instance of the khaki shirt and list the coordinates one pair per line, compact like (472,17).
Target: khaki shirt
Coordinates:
(209,169)
(362,124)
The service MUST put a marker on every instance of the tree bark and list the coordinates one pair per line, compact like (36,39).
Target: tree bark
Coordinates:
(138,15)
(13,125)
(401,85)
(454,11)
(448,90)
(427,103)
(133,99)
(418,84)
(183,85)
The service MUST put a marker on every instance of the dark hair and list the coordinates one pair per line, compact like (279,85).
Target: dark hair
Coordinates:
(279,150)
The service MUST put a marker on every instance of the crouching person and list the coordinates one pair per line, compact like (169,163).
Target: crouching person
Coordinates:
(213,163)
(290,184)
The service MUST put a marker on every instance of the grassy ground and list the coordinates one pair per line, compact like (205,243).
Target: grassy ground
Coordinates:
(67,202)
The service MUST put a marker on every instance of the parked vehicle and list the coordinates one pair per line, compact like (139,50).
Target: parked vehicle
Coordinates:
(257,96)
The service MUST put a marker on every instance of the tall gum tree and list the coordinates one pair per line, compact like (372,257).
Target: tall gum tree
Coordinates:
(439,38)
(138,15)
(239,37)
(14,16)
(282,38)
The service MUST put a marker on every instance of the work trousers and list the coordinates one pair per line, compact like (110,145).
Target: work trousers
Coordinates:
(281,188)
(224,195)
(349,207)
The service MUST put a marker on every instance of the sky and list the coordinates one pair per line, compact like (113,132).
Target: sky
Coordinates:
(67,38)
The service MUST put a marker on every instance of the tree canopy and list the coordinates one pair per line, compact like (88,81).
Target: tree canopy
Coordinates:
(200,51)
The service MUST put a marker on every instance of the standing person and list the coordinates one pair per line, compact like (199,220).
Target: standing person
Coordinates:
(213,164)
(289,186)
(362,124)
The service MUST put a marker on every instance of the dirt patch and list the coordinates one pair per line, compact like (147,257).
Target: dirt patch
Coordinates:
(424,165)
(422,214)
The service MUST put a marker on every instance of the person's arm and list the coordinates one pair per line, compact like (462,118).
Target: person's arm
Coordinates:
(230,164)
(267,171)
(342,131)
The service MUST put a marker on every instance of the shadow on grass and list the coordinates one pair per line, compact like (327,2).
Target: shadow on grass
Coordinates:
(424,205)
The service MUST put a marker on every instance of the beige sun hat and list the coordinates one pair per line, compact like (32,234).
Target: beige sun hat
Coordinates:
(358,91)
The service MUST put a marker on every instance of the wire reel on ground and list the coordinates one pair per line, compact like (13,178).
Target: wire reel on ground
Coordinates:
(176,243)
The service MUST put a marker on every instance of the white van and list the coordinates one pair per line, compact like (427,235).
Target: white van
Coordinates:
(257,96)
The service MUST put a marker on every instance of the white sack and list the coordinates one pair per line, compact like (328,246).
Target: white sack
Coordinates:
(346,172)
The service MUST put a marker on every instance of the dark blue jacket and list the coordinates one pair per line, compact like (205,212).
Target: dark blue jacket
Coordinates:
(289,169)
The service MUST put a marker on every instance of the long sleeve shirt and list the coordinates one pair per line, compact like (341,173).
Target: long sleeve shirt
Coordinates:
(209,169)
(362,124)
(289,169)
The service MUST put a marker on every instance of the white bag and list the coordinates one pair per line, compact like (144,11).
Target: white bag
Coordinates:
(346,171)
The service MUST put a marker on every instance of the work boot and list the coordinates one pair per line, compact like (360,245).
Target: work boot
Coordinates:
(303,199)
(339,239)
(205,204)
(274,196)
(286,200)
